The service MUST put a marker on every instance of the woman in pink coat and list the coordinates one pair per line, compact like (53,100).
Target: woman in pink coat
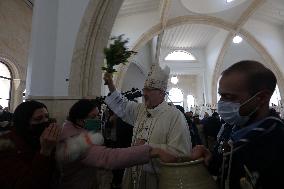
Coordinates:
(81,156)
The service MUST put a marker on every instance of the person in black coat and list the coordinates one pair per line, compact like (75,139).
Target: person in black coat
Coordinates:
(195,138)
(211,128)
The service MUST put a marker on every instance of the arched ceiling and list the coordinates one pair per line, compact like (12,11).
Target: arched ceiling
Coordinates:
(209,6)
(188,36)
(272,11)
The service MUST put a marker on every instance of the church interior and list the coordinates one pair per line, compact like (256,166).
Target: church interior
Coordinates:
(53,51)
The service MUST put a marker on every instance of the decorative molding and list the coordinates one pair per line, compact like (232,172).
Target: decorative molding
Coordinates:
(88,55)
(158,46)
(218,67)
(164,11)
(52,98)
(189,36)
(131,7)
(17,72)
(216,22)
(268,61)
(177,21)
(248,12)
(155,30)
(18,82)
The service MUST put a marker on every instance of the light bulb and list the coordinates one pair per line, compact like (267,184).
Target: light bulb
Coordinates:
(237,39)
(174,80)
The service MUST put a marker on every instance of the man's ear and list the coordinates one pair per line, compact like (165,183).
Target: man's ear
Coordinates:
(163,93)
(264,96)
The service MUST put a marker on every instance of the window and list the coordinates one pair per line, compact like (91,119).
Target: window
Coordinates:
(24,95)
(180,55)
(176,96)
(190,101)
(275,98)
(5,83)
(174,80)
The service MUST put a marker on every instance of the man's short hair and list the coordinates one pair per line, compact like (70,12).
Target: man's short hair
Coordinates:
(215,114)
(258,76)
(180,108)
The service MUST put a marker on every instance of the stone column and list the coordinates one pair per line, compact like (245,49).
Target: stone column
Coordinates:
(17,89)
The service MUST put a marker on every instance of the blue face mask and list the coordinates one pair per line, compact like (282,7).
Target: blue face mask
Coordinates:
(229,112)
(92,125)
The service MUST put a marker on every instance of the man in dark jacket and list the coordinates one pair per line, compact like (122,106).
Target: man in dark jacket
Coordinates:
(194,135)
(211,128)
(251,149)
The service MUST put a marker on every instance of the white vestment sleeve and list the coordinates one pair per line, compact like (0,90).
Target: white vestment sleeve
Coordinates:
(122,107)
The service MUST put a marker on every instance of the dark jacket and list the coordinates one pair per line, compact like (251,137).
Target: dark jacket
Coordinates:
(256,156)
(194,135)
(212,126)
(6,116)
(21,167)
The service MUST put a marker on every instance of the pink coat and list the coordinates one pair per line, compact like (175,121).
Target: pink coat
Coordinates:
(81,173)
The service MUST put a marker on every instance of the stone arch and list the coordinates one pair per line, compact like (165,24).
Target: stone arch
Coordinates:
(216,22)
(88,55)
(268,60)
(173,22)
(12,65)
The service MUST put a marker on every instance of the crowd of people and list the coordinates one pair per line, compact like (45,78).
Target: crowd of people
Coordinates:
(242,145)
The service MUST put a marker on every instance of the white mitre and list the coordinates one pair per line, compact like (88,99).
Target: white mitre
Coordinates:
(157,77)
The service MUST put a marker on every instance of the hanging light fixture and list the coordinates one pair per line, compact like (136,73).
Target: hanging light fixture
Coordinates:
(174,80)
(237,39)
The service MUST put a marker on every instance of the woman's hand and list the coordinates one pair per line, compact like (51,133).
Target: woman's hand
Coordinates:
(139,142)
(49,138)
(200,151)
(163,155)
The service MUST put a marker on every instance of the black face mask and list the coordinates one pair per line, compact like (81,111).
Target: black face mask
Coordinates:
(37,129)
(32,135)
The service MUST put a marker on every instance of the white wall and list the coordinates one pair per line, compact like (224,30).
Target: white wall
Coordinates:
(177,9)
(70,13)
(134,78)
(144,58)
(137,71)
(41,62)
(238,52)
(212,52)
(188,84)
(190,73)
(54,31)
(271,37)
(135,25)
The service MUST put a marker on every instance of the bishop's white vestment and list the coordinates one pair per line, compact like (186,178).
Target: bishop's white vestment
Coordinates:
(164,127)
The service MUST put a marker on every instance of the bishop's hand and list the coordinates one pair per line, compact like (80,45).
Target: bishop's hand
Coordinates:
(108,78)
